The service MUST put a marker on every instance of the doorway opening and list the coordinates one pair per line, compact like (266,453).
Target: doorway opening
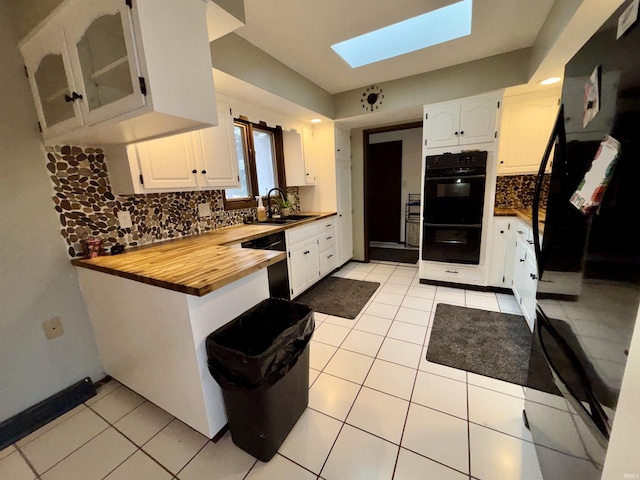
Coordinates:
(392,171)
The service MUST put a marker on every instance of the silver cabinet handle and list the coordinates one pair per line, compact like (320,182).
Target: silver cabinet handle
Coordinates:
(522,259)
(520,232)
(530,242)
(450,271)
(329,238)
(533,276)
(330,256)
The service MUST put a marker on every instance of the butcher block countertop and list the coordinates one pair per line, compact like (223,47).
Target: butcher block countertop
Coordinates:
(196,265)
(524,214)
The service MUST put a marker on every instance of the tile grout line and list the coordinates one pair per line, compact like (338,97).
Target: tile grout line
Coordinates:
(344,422)
(26,460)
(138,447)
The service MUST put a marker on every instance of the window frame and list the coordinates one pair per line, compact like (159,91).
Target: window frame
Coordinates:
(278,151)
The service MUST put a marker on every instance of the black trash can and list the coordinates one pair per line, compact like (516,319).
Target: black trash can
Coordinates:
(261,362)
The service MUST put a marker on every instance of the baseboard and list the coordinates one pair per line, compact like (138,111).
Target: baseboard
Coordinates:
(34,417)
(466,286)
(218,436)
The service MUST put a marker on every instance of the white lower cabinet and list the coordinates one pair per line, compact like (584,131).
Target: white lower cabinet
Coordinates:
(500,269)
(327,246)
(524,270)
(311,253)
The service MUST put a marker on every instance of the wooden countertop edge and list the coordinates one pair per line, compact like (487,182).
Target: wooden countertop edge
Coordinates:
(176,287)
(234,242)
(523,214)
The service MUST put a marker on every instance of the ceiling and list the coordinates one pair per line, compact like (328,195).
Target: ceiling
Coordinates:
(299,33)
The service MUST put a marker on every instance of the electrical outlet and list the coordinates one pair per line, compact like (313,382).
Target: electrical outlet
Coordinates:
(204,210)
(52,327)
(124,219)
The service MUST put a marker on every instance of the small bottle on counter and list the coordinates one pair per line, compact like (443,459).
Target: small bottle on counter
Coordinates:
(262,212)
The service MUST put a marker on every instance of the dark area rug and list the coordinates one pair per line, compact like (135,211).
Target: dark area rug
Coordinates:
(492,344)
(400,255)
(341,297)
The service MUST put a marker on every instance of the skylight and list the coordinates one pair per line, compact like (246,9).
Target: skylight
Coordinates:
(439,26)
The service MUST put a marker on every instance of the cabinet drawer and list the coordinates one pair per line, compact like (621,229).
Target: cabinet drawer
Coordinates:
(452,273)
(325,225)
(523,232)
(299,234)
(327,239)
(327,261)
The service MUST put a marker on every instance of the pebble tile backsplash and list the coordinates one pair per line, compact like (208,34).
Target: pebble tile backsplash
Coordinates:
(87,207)
(516,191)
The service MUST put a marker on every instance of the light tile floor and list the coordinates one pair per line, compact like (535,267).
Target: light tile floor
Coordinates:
(377,410)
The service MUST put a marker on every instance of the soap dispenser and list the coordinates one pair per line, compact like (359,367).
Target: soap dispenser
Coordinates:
(262,212)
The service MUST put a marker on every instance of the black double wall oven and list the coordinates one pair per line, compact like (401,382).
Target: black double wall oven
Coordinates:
(454,189)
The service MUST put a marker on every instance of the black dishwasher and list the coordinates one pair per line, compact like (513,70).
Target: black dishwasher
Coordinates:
(278,272)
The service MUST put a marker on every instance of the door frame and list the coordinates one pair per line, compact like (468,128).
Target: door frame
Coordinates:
(365,166)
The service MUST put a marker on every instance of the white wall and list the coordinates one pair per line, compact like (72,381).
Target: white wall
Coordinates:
(411,164)
(37,281)
(623,454)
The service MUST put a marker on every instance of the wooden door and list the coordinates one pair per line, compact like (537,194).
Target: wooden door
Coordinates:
(383,182)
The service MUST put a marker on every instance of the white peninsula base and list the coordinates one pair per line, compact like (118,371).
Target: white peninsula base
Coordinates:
(153,340)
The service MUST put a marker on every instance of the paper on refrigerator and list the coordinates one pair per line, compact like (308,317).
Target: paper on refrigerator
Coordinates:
(590,192)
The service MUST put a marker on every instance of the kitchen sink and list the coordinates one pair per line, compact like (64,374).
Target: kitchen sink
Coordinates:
(288,220)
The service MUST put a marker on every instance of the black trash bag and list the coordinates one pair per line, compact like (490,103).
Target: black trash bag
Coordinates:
(259,347)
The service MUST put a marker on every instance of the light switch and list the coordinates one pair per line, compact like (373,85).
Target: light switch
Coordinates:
(204,210)
(124,219)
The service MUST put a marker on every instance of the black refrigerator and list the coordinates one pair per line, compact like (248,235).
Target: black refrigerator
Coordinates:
(588,263)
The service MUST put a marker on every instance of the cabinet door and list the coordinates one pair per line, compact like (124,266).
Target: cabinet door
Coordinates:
(168,163)
(343,145)
(478,121)
(442,125)
(103,59)
(297,263)
(499,241)
(309,164)
(529,285)
(217,154)
(312,260)
(527,121)
(299,169)
(519,259)
(49,69)
(344,233)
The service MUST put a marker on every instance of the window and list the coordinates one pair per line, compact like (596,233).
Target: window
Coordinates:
(260,163)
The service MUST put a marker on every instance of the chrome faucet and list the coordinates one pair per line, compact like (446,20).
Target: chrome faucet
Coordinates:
(282,192)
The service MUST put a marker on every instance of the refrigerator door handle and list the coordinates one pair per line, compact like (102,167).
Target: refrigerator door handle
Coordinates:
(600,433)
(559,133)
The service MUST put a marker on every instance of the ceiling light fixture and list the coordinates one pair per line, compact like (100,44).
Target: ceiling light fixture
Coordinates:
(432,28)
(315,120)
(550,81)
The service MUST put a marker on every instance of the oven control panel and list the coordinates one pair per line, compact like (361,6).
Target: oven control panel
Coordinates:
(457,160)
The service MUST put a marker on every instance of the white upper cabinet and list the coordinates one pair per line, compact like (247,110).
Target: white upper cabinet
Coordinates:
(166,163)
(202,160)
(217,152)
(298,158)
(463,122)
(343,145)
(527,121)
(107,71)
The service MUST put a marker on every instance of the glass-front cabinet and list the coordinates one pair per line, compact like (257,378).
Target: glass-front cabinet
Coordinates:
(94,65)
(49,70)
(104,60)
(87,72)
